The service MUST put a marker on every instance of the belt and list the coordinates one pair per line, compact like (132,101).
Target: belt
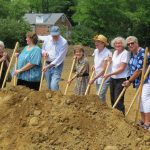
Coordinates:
(83,75)
(48,62)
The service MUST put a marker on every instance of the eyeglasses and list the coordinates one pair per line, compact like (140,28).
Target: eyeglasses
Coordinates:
(130,44)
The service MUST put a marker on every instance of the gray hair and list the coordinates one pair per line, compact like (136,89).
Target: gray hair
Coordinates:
(118,39)
(132,38)
(2,44)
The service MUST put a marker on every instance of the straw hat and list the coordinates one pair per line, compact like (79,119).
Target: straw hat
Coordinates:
(101,38)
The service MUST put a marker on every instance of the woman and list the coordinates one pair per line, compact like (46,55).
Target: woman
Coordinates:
(119,71)
(81,70)
(3,58)
(136,64)
(29,63)
(101,53)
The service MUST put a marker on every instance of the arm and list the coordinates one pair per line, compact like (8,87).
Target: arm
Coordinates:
(25,68)
(62,54)
(2,59)
(118,71)
(79,73)
(5,58)
(44,52)
(103,70)
(100,73)
(69,81)
(132,78)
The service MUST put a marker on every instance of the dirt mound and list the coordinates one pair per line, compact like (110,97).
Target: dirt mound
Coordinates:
(48,120)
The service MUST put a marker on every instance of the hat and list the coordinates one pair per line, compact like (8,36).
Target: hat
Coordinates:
(55,30)
(101,38)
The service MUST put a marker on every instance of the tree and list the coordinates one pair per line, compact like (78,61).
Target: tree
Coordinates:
(12,31)
(17,9)
(115,18)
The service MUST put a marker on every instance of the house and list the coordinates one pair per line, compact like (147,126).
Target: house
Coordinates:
(41,23)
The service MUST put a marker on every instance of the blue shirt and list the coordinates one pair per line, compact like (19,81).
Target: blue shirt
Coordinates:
(33,57)
(136,63)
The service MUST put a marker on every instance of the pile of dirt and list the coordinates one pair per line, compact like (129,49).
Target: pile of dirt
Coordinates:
(46,120)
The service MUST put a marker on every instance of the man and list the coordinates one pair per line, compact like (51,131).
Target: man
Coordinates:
(101,55)
(136,64)
(54,50)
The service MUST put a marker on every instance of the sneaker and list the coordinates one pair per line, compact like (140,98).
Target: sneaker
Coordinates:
(140,123)
(147,127)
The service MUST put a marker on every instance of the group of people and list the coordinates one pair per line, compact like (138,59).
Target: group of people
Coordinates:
(125,67)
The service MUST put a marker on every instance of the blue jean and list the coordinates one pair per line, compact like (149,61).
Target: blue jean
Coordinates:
(102,94)
(53,76)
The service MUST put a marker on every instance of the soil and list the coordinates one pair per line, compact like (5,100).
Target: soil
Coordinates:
(46,120)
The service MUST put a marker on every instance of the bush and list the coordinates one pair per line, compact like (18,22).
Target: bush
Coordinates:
(12,31)
(82,35)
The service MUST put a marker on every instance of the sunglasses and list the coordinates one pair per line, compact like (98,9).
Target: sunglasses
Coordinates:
(132,43)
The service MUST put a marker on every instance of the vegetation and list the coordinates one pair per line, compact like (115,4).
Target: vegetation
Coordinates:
(110,17)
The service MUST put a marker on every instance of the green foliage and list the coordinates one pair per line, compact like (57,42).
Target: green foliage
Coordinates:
(17,8)
(115,18)
(110,17)
(12,31)
(82,35)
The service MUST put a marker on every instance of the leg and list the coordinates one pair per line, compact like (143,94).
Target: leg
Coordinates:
(112,91)
(120,106)
(145,104)
(55,77)
(103,91)
(142,117)
(147,118)
(48,78)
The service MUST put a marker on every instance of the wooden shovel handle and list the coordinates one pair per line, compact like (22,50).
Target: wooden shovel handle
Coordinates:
(44,62)
(73,63)
(10,63)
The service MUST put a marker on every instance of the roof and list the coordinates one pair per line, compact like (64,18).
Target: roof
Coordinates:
(47,19)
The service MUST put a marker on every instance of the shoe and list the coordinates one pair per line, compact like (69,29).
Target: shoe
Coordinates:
(147,127)
(140,123)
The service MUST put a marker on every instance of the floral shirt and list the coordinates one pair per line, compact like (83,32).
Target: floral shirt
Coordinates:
(136,63)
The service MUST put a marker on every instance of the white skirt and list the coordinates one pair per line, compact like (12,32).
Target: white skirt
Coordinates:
(145,99)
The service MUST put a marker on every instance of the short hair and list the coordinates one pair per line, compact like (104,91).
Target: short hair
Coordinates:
(33,36)
(2,44)
(132,38)
(118,39)
(79,47)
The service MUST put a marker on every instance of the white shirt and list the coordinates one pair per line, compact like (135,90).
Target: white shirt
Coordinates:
(99,57)
(56,50)
(117,59)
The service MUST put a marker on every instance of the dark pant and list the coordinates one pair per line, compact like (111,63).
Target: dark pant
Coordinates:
(115,90)
(31,85)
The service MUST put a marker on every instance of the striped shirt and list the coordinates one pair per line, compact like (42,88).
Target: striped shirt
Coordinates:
(33,57)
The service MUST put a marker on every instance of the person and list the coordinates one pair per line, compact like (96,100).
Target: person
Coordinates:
(3,58)
(54,50)
(29,63)
(119,71)
(81,70)
(101,54)
(136,64)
